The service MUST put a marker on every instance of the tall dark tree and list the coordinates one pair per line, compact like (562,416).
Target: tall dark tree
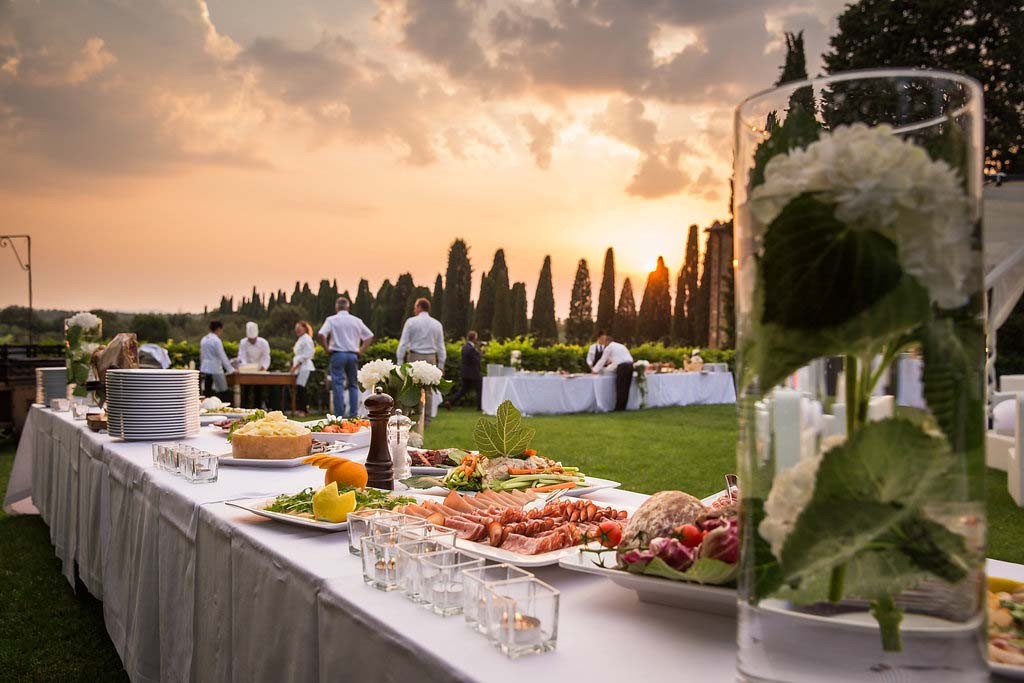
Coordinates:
(701,307)
(382,317)
(401,302)
(501,323)
(520,326)
(579,326)
(325,298)
(795,69)
(625,315)
(458,281)
(606,297)
(683,323)
(974,37)
(543,326)
(654,323)
(151,327)
(226,306)
(483,314)
(271,303)
(362,307)
(296,299)
(437,299)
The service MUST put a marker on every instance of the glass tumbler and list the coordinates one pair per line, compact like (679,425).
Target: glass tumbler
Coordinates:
(441,580)
(476,584)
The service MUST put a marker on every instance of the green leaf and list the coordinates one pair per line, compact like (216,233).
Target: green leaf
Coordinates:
(704,570)
(776,351)
(767,572)
(935,549)
(505,435)
(424,482)
(864,488)
(819,273)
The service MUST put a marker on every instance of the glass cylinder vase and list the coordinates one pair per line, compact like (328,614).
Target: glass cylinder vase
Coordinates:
(857,203)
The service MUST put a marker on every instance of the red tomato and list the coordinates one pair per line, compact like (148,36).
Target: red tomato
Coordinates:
(691,536)
(332,429)
(609,533)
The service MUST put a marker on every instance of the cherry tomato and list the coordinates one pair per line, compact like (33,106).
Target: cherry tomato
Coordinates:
(690,535)
(609,533)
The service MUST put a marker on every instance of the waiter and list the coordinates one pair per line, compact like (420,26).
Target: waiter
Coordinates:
(595,350)
(616,359)
(469,371)
(346,338)
(254,350)
(423,339)
(214,363)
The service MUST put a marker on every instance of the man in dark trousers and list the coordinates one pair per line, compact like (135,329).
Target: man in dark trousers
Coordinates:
(469,369)
(616,358)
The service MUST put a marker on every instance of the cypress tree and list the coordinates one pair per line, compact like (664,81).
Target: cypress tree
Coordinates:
(296,299)
(683,324)
(625,315)
(701,307)
(654,323)
(325,298)
(382,311)
(483,314)
(437,299)
(795,69)
(501,323)
(256,304)
(458,281)
(401,302)
(520,326)
(579,326)
(362,307)
(606,297)
(543,326)
(271,303)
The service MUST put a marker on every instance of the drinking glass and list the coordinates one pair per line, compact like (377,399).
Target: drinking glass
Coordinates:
(441,579)
(522,617)
(476,584)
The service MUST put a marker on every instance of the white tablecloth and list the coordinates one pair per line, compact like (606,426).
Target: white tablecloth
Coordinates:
(536,394)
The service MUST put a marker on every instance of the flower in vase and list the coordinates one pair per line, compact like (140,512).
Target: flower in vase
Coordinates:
(425,374)
(882,182)
(374,372)
(85,320)
(791,492)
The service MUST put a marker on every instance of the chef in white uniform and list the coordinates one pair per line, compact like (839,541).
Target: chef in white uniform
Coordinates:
(254,350)
(302,362)
(213,362)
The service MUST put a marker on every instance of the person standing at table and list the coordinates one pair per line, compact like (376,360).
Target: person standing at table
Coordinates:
(346,338)
(595,350)
(423,339)
(469,371)
(214,363)
(302,363)
(616,359)
(253,350)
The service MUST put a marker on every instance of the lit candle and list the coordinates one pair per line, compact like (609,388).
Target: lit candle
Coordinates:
(525,629)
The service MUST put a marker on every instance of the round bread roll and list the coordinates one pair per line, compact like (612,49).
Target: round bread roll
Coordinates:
(252,447)
(661,513)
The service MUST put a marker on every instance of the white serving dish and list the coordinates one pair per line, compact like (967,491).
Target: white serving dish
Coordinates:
(592,484)
(257,505)
(358,439)
(228,460)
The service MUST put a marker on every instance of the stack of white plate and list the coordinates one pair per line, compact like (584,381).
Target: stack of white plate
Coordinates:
(51,383)
(152,405)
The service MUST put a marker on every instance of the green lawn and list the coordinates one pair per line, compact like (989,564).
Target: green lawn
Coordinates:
(47,632)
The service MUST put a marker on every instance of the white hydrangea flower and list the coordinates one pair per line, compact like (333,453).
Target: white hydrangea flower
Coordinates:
(89,347)
(374,372)
(791,491)
(425,374)
(86,320)
(882,182)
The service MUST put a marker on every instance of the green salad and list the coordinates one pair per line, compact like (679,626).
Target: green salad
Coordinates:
(302,502)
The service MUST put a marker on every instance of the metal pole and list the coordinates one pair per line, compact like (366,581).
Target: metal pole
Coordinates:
(26,265)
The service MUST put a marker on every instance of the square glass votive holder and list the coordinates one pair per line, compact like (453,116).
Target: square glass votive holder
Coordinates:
(379,554)
(475,589)
(441,580)
(359,526)
(408,563)
(79,410)
(199,467)
(443,535)
(522,617)
(395,522)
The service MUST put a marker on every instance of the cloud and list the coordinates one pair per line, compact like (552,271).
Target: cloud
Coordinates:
(542,138)
(659,175)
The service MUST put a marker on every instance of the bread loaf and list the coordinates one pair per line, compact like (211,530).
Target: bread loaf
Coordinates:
(659,514)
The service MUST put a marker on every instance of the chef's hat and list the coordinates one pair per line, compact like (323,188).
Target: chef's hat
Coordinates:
(695,352)
(252,330)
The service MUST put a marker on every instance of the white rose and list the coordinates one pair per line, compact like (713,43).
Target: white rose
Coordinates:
(374,372)
(86,320)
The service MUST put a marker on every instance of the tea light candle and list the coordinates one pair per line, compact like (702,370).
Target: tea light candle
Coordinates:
(525,629)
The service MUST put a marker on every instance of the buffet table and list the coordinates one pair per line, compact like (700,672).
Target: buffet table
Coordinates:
(554,394)
(237,380)
(194,589)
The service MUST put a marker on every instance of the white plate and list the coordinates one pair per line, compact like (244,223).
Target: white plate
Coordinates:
(653,589)
(256,505)
(229,460)
(360,439)
(1008,670)
(592,484)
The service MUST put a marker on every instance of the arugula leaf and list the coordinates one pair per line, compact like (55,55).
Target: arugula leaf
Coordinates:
(818,272)
(863,491)
(704,570)
(505,435)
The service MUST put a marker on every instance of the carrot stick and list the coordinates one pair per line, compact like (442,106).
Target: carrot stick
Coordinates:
(554,487)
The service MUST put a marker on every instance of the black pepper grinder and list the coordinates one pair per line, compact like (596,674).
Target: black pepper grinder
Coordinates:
(378,462)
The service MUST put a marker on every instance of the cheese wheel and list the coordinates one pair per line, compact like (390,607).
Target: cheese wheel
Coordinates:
(253,447)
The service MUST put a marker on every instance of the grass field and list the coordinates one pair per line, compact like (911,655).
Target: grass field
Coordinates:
(48,632)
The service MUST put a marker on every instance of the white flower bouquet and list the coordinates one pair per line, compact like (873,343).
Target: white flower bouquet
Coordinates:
(405,383)
(82,333)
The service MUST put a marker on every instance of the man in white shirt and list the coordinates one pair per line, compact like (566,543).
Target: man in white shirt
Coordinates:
(213,362)
(595,350)
(346,338)
(253,350)
(423,339)
(616,359)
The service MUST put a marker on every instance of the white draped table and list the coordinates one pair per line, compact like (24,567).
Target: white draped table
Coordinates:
(553,394)
(197,590)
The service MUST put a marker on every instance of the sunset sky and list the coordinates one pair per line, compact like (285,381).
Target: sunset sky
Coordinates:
(163,153)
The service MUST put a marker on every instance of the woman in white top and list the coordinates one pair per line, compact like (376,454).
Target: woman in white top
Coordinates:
(213,362)
(302,363)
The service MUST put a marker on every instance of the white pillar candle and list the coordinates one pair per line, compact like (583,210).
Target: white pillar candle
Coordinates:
(787,422)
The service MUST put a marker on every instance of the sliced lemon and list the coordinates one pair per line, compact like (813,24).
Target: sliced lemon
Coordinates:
(331,506)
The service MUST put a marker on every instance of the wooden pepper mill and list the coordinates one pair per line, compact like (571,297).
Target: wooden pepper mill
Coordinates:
(378,462)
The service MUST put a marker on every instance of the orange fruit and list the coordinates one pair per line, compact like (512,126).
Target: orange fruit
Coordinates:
(344,471)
